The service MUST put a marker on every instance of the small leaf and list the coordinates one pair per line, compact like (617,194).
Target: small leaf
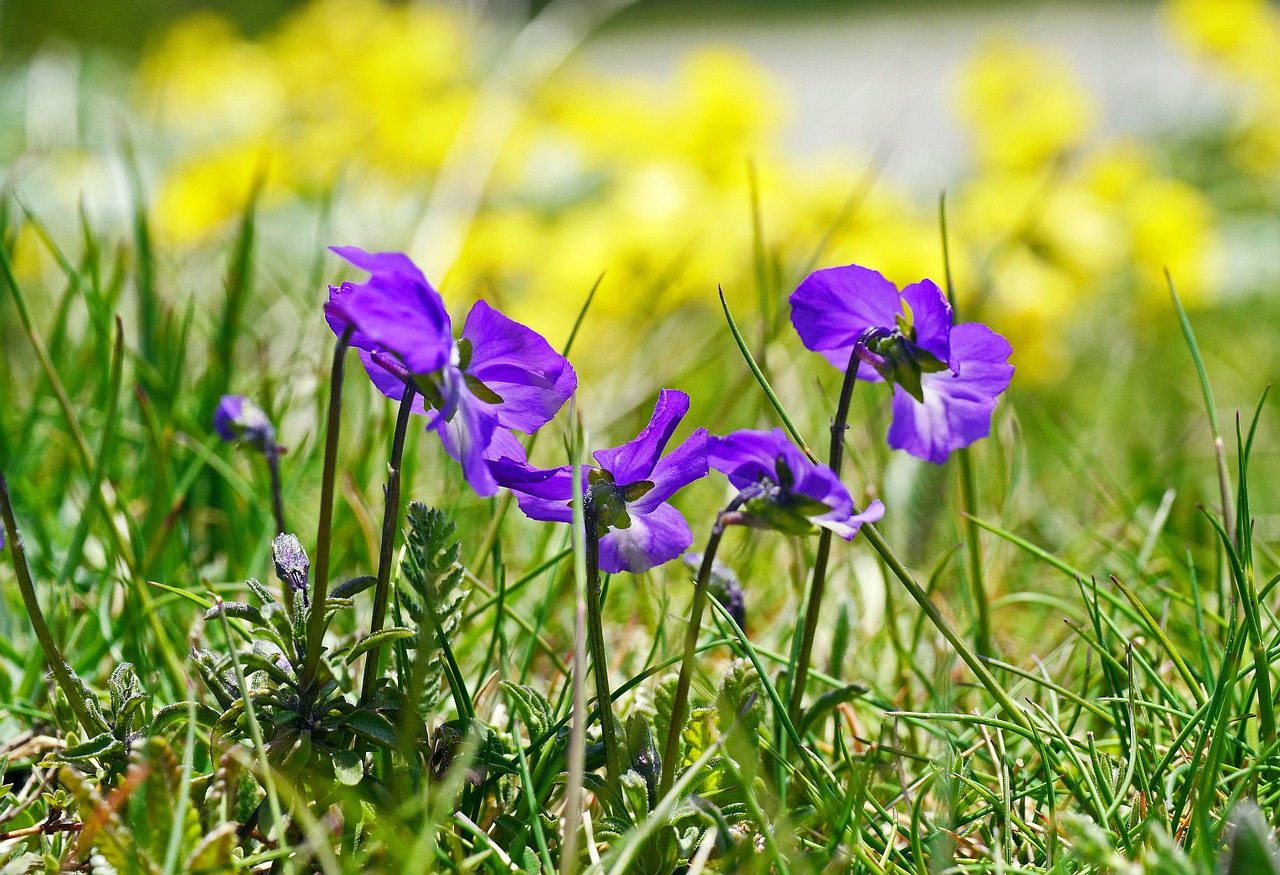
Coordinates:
(348,767)
(103,745)
(828,702)
(377,639)
(238,610)
(373,727)
(533,707)
(354,586)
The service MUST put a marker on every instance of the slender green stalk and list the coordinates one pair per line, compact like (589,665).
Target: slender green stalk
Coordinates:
(277,499)
(679,704)
(943,625)
(818,587)
(390,525)
(968,490)
(763,381)
(61,672)
(1219,449)
(320,571)
(577,753)
(595,631)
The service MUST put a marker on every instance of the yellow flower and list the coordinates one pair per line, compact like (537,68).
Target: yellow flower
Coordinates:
(1022,104)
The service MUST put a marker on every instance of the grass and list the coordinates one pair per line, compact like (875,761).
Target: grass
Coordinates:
(1118,715)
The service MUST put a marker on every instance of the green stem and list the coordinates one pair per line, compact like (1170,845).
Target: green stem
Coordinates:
(940,622)
(969,510)
(818,587)
(679,704)
(277,499)
(595,640)
(320,577)
(61,672)
(390,520)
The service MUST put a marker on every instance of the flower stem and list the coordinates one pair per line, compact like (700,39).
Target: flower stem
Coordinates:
(390,520)
(277,500)
(679,705)
(320,571)
(969,509)
(595,632)
(61,672)
(818,587)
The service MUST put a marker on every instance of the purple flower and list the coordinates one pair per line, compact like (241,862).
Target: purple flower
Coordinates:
(239,419)
(628,488)
(781,489)
(945,377)
(499,375)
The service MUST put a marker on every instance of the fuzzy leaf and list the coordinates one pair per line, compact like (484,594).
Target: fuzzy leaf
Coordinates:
(378,639)
(100,746)
(352,587)
(533,707)
(238,610)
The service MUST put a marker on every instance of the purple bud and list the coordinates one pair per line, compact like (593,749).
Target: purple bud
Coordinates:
(239,419)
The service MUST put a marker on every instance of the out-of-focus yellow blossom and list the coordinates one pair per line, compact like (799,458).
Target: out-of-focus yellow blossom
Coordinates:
(646,180)
(1242,35)
(1056,225)
(1023,104)
(1241,38)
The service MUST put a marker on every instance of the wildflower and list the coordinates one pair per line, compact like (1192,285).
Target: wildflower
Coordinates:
(499,374)
(724,585)
(945,377)
(239,419)
(627,490)
(781,489)
(291,562)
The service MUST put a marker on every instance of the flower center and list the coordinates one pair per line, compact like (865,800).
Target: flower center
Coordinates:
(896,357)
(609,500)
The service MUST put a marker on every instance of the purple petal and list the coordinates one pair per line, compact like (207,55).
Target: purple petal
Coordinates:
(397,309)
(848,526)
(388,383)
(635,460)
(674,471)
(226,415)
(746,456)
(337,312)
(957,407)
(466,427)
(833,307)
(652,539)
(516,362)
(931,316)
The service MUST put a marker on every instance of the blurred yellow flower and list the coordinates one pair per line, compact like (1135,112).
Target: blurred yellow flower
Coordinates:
(1022,104)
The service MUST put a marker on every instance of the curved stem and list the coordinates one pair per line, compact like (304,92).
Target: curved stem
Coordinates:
(61,672)
(595,632)
(390,520)
(320,571)
(679,705)
(818,587)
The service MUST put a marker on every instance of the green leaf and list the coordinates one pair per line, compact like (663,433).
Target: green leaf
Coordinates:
(373,727)
(100,746)
(828,702)
(348,767)
(378,639)
(352,587)
(239,610)
(532,706)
